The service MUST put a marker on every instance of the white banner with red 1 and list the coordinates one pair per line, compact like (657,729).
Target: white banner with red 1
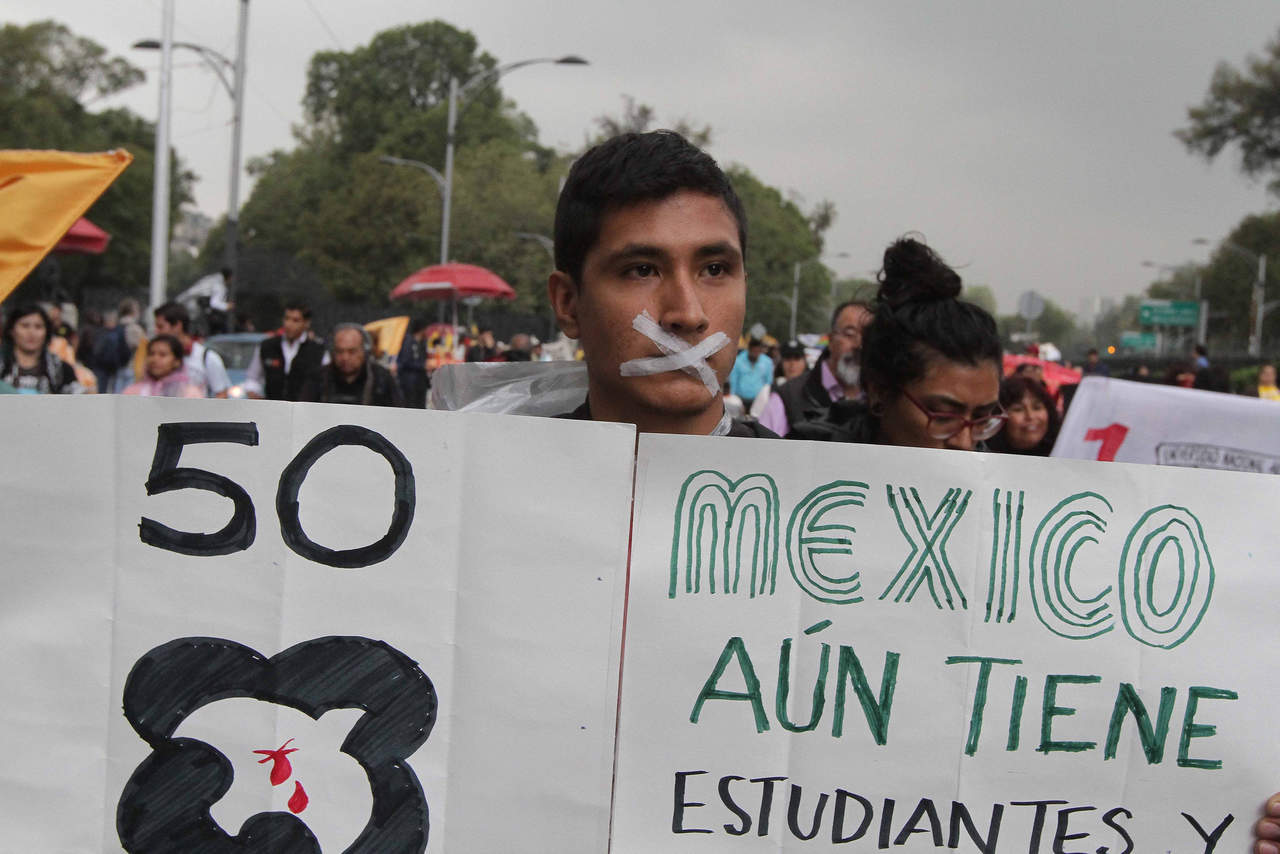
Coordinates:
(1145,423)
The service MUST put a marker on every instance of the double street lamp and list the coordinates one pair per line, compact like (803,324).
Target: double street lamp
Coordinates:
(1257,302)
(234,85)
(460,91)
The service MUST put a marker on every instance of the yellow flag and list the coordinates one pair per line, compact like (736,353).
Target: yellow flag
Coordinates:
(42,194)
(388,333)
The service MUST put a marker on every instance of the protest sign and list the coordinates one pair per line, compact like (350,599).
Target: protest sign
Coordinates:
(1145,423)
(874,647)
(266,627)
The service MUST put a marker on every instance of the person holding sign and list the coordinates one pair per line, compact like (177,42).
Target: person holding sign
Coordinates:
(650,244)
(930,363)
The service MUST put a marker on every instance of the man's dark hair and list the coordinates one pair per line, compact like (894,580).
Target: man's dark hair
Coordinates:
(625,170)
(853,303)
(1093,351)
(1200,350)
(919,317)
(175,314)
(418,324)
(298,305)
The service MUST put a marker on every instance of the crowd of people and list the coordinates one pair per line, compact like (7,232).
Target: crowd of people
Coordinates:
(650,248)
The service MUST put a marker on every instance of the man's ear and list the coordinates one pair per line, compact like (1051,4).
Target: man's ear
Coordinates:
(563,294)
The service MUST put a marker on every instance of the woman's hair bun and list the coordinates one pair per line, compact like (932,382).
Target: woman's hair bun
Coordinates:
(913,272)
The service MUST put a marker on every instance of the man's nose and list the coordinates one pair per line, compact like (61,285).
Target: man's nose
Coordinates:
(680,306)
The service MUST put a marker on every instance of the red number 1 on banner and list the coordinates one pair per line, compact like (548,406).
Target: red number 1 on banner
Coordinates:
(1111,437)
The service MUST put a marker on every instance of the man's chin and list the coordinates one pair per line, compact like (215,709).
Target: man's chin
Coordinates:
(673,395)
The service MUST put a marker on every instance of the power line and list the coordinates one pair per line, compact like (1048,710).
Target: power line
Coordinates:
(332,35)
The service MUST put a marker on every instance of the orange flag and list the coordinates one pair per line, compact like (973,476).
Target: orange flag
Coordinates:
(42,194)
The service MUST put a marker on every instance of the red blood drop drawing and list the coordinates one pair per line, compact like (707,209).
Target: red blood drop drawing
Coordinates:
(298,802)
(281,768)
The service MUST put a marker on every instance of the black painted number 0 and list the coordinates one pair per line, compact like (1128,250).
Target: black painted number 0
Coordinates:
(238,534)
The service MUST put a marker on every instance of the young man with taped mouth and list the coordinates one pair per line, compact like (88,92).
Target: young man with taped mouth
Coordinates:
(650,250)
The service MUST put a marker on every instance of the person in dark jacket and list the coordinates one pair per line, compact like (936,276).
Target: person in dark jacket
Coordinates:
(411,364)
(930,363)
(835,376)
(352,376)
(283,362)
(650,242)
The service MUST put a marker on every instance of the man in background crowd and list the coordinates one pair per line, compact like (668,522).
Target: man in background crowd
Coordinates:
(835,376)
(752,371)
(1094,365)
(485,348)
(204,367)
(351,375)
(283,362)
(411,364)
(791,362)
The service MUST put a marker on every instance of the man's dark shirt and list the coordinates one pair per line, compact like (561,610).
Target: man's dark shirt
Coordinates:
(805,396)
(740,428)
(276,384)
(373,386)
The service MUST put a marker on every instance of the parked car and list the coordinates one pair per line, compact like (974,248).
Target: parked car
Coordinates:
(236,350)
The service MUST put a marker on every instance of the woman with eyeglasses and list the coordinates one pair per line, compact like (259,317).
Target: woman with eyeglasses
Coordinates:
(930,363)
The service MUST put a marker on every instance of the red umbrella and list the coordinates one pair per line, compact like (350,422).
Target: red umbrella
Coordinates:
(84,237)
(453,281)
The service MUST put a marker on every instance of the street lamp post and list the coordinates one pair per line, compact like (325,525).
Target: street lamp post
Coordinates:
(1257,300)
(234,85)
(160,189)
(459,91)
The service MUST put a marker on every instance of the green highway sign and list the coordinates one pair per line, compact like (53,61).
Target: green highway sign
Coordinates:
(1164,312)
(1140,342)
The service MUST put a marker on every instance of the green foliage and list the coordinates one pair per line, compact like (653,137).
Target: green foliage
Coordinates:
(779,236)
(360,225)
(639,118)
(45,75)
(1055,324)
(982,296)
(1241,107)
(1227,283)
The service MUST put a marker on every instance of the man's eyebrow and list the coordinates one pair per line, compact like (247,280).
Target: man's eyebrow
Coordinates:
(719,249)
(634,251)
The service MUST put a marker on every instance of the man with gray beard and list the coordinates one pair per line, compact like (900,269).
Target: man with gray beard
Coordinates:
(834,377)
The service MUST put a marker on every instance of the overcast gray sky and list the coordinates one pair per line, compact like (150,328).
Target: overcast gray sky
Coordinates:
(1030,142)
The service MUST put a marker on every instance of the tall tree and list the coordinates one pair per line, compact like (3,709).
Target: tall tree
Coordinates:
(48,79)
(1242,107)
(361,225)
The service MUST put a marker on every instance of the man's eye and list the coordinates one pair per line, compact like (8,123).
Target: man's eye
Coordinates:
(717,268)
(641,270)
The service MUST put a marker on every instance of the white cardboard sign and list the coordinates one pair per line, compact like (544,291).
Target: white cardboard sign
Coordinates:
(843,647)
(1145,423)
(332,624)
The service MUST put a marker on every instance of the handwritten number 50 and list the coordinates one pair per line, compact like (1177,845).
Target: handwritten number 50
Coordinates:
(239,532)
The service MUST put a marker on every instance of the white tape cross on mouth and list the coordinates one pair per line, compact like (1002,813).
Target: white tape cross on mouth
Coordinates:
(681,356)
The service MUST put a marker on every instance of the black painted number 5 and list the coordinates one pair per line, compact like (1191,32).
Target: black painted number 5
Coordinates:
(165,476)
